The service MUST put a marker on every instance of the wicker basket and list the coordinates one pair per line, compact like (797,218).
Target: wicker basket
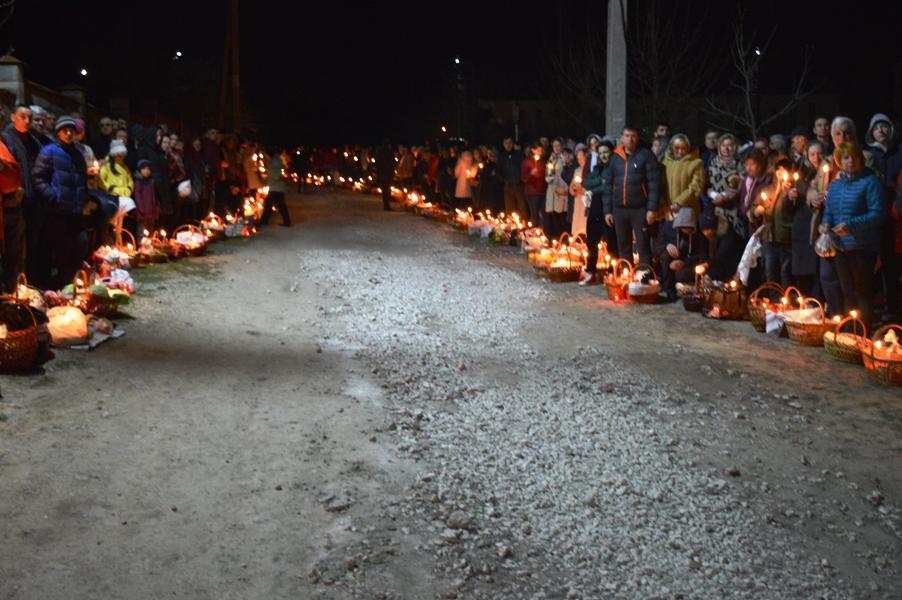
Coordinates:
(807,334)
(617,285)
(19,349)
(649,291)
(758,307)
(564,273)
(89,303)
(846,352)
(27,294)
(887,370)
(194,230)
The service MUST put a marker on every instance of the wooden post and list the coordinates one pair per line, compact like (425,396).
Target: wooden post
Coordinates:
(616,77)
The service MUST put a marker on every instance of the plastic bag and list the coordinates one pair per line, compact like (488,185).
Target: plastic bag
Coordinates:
(825,245)
(68,326)
(774,322)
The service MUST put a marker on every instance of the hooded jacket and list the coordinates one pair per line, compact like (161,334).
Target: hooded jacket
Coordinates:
(887,159)
(857,201)
(683,182)
(632,181)
(60,178)
(116,179)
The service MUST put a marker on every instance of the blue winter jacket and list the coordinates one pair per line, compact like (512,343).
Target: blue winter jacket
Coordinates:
(857,201)
(60,178)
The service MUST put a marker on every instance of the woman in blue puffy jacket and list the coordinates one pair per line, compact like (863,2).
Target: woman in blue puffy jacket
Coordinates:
(854,211)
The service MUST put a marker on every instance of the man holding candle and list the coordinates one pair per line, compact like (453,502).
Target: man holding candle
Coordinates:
(775,208)
(631,192)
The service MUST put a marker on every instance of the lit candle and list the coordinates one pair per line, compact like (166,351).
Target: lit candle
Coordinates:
(826,171)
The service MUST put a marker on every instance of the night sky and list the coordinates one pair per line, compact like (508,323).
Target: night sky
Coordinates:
(340,71)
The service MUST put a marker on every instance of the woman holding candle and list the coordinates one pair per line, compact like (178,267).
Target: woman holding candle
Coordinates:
(464,172)
(532,173)
(580,210)
(556,192)
(597,229)
(854,211)
(775,208)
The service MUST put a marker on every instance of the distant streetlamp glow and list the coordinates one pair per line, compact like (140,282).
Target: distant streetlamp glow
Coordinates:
(84,72)
(444,129)
(456,60)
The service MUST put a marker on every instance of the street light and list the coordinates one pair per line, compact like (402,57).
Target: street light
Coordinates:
(444,129)
(178,55)
(456,60)
(84,72)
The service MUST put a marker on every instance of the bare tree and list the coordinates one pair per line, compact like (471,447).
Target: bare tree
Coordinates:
(578,65)
(745,113)
(672,59)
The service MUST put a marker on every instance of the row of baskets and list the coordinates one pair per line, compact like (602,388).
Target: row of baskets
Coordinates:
(804,322)
(27,316)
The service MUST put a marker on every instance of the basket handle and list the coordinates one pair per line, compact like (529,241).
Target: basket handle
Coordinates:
(878,335)
(650,268)
(119,241)
(804,301)
(855,322)
(77,281)
(186,226)
(770,285)
(21,280)
(790,290)
(628,264)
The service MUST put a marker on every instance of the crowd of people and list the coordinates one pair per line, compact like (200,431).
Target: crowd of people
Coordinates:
(825,204)
(64,192)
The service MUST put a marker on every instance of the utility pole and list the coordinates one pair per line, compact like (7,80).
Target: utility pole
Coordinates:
(615,93)
(230,66)
(236,79)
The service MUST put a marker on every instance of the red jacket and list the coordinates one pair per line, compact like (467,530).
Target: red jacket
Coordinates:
(10,175)
(532,173)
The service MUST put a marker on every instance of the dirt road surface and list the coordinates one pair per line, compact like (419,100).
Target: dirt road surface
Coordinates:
(371,405)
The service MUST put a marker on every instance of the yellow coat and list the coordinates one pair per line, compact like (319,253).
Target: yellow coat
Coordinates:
(684,182)
(118,183)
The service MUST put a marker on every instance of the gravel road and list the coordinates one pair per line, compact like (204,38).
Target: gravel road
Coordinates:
(371,405)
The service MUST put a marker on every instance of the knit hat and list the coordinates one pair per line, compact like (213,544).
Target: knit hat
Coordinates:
(65,121)
(117,148)
(879,118)
(142,163)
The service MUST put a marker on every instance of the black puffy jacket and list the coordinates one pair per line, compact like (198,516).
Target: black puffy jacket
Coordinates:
(633,181)
(60,178)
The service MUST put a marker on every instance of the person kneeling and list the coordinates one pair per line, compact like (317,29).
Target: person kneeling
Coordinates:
(677,248)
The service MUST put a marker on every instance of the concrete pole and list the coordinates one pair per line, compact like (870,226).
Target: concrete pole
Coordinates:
(615,84)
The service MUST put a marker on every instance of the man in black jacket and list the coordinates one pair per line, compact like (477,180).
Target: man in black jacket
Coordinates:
(508,170)
(631,191)
(23,222)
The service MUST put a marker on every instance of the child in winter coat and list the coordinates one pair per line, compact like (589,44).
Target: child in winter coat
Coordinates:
(147,199)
